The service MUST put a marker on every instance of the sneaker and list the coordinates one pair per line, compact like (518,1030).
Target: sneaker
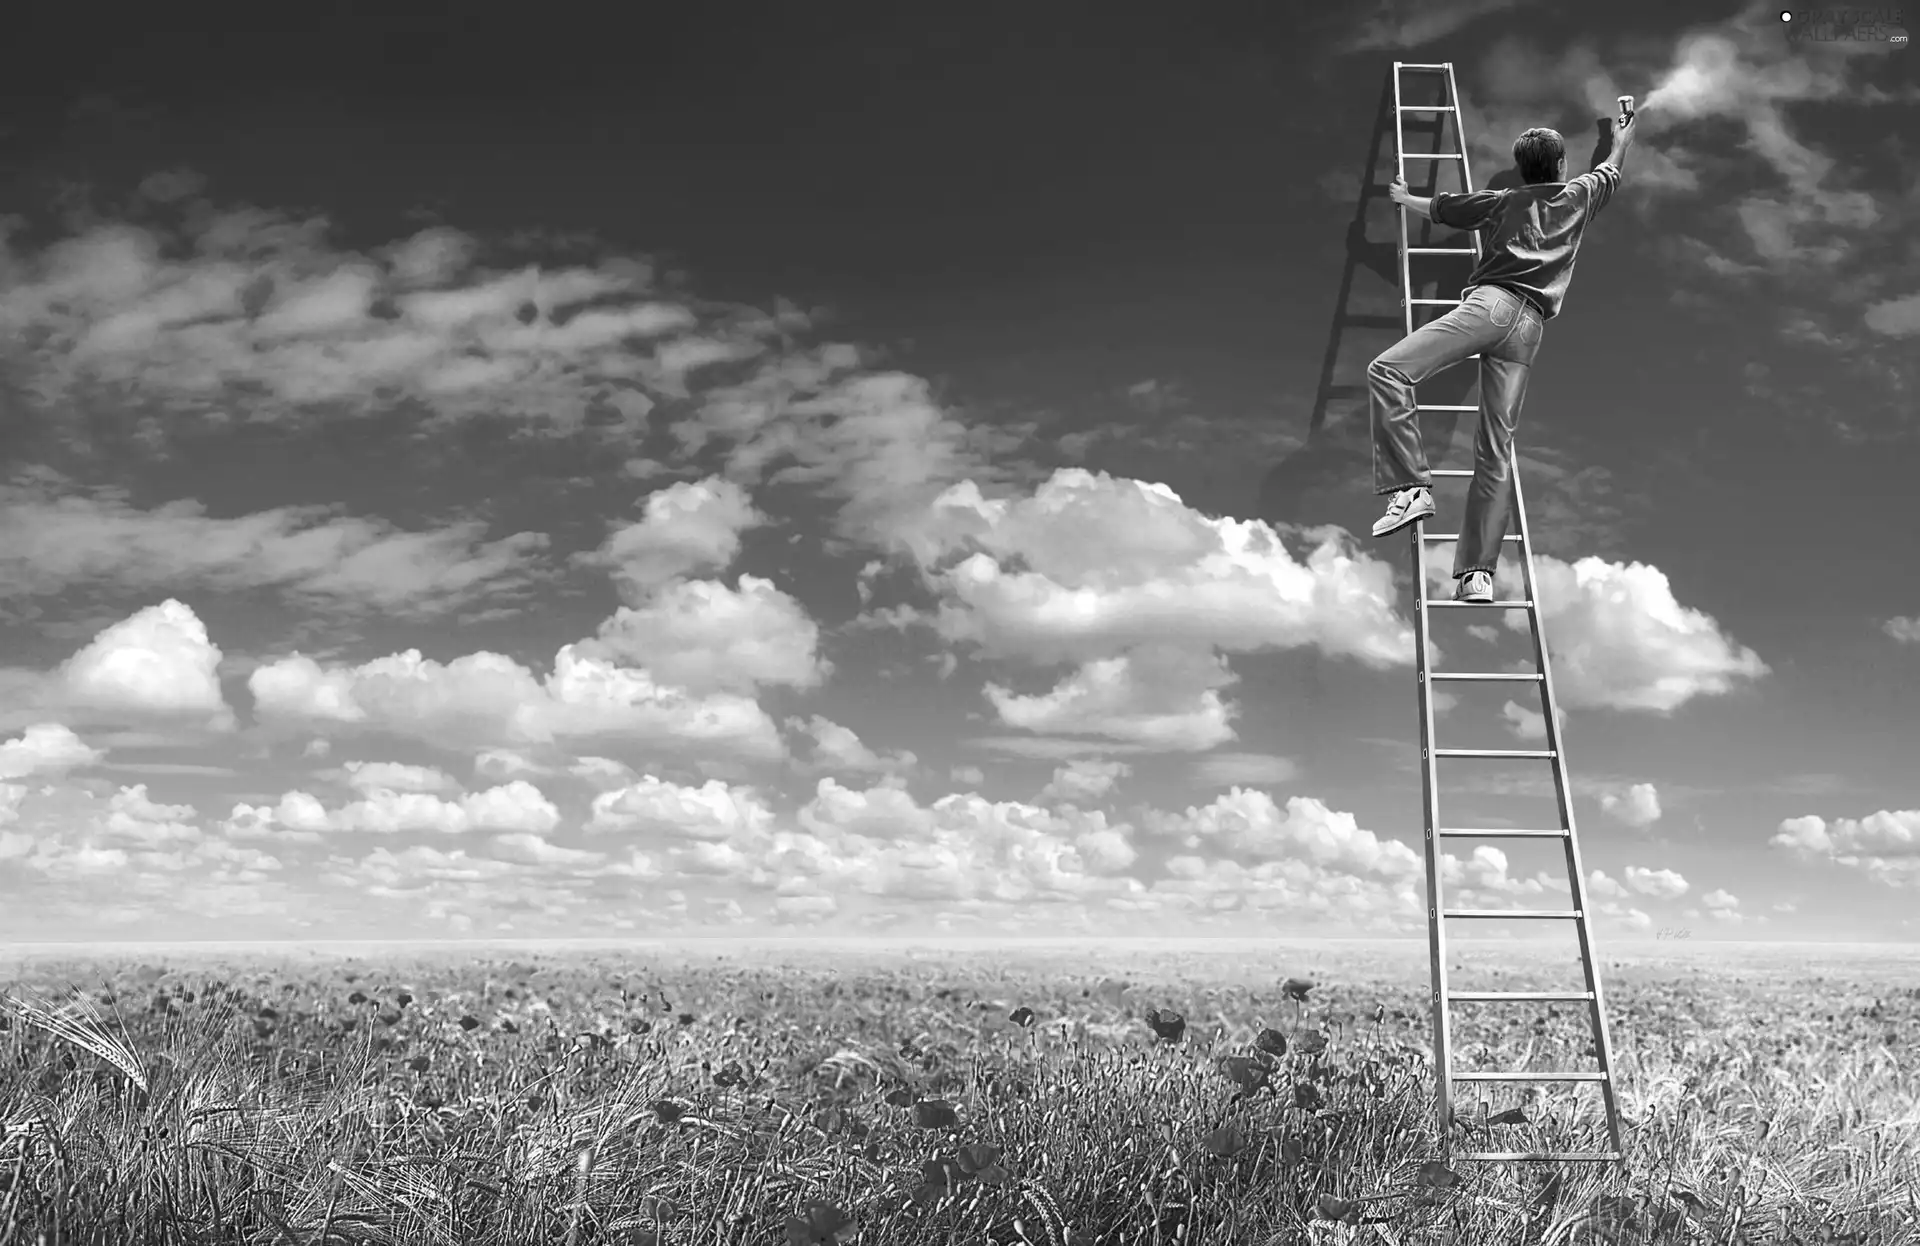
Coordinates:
(1474,586)
(1407,506)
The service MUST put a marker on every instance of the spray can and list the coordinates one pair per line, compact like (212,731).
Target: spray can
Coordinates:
(1626,107)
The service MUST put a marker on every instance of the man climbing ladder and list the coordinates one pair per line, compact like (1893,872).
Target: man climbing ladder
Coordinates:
(1532,235)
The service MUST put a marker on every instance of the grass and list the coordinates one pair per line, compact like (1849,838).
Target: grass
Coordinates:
(595,1100)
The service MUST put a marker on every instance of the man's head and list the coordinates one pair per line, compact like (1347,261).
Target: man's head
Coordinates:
(1541,155)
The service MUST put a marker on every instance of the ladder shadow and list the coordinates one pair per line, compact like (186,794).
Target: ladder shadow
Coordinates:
(1329,478)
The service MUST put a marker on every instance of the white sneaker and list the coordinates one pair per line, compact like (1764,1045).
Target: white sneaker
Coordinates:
(1408,505)
(1476,587)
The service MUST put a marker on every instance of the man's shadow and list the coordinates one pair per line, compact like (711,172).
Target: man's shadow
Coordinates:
(1329,479)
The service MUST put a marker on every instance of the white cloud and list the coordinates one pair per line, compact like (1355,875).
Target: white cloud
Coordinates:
(503,763)
(1885,845)
(968,776)
(1082,782)
(687,527)
(1720,900)
(715,811)
(489,700)
(1090,567)
(704,636)
(370,776)
(1244,770)
(45,748)
(1661,884)
(1246,825)
(157,662)
(1619,640)
(1601,886)
(839,749)
(132,815)
(1163,696)
(517,806)
(1896,317)
(1904,630)
(1638,806)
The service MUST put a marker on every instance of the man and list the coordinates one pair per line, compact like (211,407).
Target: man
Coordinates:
(1530,236)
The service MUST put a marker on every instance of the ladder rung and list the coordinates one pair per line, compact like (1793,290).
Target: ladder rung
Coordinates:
(1579,1157)
(1456,473)
(1490,676)
(1447,406)
(1480,605)
(1427,107)
(1541,753)
(1497,832)
(1545,996)
(1421,67)
(1454,536)
(1559,913)
(1529,1077)
(1439,302)
(1441,251)
(1430,155)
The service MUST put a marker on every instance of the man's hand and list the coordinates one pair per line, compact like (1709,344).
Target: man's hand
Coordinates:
(1397,191)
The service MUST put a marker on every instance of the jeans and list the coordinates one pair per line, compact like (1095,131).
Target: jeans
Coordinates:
(1504,330)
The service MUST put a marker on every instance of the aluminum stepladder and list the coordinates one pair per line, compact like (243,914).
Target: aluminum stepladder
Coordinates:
(1555,751)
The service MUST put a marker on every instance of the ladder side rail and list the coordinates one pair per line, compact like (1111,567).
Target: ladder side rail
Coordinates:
(1429,780)
(1576,876)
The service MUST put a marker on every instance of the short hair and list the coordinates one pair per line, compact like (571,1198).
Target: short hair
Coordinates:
(1538,153)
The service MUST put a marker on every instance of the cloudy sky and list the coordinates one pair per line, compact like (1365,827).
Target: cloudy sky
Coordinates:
(859,476)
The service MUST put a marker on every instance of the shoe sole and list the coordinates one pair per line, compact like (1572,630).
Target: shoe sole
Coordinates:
(1412,516)
(1475,598)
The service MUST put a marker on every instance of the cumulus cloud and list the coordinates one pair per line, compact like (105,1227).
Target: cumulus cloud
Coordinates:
(1089,566)
(1884,845)
(155,668)
(838,748)
(1246,825)
(1904,630)
(687,527)
(1637,806)
(1081,782)
(45,748)
(517,806)
(1661,884)
(651,805)
(1619,639)
(1160,695)
(1603,887)
(133,816)
(489,700)
(703,636)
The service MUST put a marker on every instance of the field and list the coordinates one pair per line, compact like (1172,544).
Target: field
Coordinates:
(791,1093)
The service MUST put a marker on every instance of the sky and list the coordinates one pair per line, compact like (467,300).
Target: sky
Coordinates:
(870,475)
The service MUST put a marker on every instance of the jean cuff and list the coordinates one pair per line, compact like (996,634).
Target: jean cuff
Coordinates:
(1393,489)
(1470,570)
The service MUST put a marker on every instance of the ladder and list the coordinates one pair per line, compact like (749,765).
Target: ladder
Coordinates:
(1430,754)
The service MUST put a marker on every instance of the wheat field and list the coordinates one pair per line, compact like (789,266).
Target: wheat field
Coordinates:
(786,1092)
